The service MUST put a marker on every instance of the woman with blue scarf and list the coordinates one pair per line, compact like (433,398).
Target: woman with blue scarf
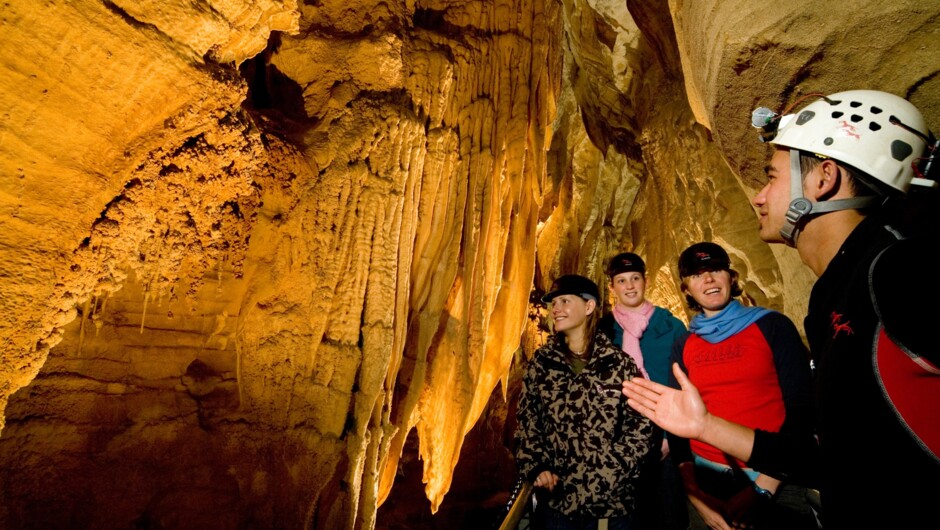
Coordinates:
(751,367)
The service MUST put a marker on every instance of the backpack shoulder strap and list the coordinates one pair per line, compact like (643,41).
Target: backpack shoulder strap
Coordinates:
(905,352)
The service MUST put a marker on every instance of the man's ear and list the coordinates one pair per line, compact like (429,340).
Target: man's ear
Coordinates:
(827,180)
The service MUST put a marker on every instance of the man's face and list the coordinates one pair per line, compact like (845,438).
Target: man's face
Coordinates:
(772,201)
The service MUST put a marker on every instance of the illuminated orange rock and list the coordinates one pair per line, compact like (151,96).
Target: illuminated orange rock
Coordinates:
(260,260)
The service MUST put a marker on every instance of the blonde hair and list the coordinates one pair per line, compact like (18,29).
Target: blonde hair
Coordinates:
(591,324)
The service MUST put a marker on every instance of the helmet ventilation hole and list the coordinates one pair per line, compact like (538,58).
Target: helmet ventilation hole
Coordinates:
(874,126)
(900,150)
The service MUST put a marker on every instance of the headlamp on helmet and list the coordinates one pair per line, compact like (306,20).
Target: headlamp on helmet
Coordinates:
(767,121)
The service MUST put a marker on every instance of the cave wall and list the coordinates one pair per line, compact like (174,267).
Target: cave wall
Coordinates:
(261,260)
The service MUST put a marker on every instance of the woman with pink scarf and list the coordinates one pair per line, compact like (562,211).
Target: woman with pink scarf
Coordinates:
(646,332)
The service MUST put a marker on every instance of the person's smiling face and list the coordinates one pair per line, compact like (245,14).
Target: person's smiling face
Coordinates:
(569,311)
(711,289)
(629,289)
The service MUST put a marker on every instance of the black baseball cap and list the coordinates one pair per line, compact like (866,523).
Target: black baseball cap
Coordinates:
(573,284)
(625,262)
(704,256)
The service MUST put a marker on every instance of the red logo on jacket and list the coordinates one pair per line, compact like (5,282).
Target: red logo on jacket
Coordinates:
(838,325)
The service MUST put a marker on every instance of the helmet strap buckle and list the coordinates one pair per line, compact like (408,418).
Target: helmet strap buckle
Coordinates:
(795,219)
(799,205)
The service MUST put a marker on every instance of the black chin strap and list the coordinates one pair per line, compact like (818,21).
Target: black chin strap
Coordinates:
(801,209)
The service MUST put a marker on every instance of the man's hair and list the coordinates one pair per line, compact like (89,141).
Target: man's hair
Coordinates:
(860,184)
(736,290)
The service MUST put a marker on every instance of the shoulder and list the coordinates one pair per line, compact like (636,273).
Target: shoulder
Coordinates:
(681,339)
(775,317)
(604,348)
(869,239)
(776,321)
(546,354)
(602,341)
(664,315)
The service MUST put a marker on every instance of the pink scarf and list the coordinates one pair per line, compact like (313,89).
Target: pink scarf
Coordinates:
(634,324)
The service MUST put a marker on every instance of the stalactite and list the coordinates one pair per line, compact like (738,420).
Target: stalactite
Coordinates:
(81,328)
(97,317)
(143,311)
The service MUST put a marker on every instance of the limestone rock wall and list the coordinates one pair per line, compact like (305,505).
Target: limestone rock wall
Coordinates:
(260,260)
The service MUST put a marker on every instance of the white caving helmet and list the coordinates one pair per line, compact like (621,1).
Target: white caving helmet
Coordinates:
(880,134)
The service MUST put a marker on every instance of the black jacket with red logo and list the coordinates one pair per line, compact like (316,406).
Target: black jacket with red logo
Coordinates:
(871,473)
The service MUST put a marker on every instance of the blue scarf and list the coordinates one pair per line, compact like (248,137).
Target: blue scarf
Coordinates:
(729,321)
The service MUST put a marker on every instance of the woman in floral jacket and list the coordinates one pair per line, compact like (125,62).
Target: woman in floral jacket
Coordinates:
(576,436)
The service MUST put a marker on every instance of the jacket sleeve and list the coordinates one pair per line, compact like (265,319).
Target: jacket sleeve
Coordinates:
(792,362)
(787,456)
(792,454)
(531,442)
(637,440)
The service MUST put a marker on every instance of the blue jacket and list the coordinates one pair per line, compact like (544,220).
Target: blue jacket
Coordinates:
(656,343)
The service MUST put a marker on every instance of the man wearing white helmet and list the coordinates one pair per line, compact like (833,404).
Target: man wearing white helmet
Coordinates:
(856,150)
(878,383)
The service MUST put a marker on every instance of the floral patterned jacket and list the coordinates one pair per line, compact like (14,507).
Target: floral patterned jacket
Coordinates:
(580,427)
